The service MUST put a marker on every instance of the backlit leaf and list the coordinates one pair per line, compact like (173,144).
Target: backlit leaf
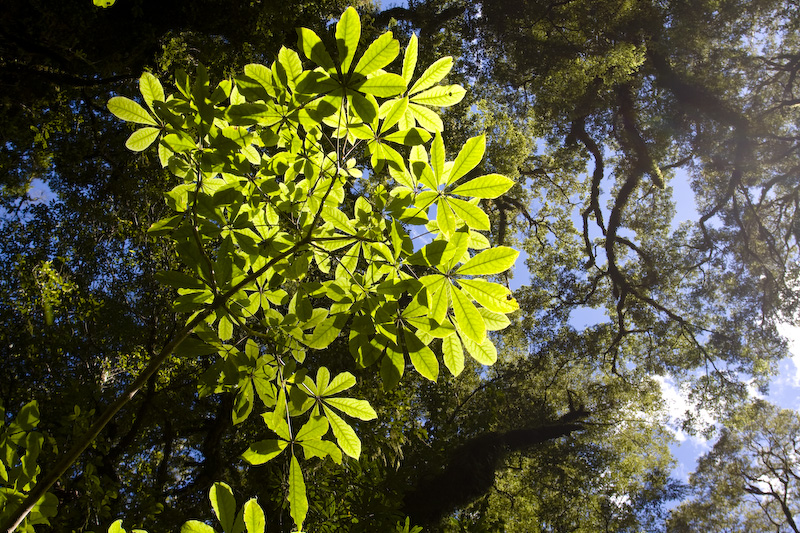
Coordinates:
(360,409)
(492,261)
(348,32)
(468,319)
(380,53)
(298,501)
(433,74)
(468,158)
(453,354)
(130,111)
(489,186)
(253,515)
(425,363)
(141,139)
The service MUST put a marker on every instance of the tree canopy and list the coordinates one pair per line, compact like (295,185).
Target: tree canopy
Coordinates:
(322,222)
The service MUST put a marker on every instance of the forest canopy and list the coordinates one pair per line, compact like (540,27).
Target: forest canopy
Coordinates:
(259,267)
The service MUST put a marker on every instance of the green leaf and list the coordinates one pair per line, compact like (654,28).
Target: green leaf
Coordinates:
(492,296)
(130,111)
(380,53)
(472,215)
(443,96)
(469,320)
(360,409)
(453,354)
(437,158)
(348,32)
(383,85)
(298,501)
(243,402)
(104,3)
(492,261)
(196,526)
(489,186)
(410,59)
(151,90)
(345,435)
(315,428)
(394,113)
(433,74)
(312,47)
(438,287)
(254,519)
(116,527)
(425,363)
(141,139)
(324,334)
(264,450)
(224,505)
(494,321)
(483,352)
(322,449)
(468,158)
(427,118)
(341,382)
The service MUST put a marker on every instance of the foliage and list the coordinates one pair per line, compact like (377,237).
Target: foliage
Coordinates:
(749,479)
(590,108)
(261,200)
(20,446)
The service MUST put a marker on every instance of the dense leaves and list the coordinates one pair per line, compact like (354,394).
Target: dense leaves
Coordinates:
(384,253)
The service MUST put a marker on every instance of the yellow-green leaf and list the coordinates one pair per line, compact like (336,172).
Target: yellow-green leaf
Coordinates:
(360,409)
(468,319)
(489,186)
(492,296)
(262,451)
(425,363)
(442,96)
(142,138)
(348,32)
(383,85)
(468,158)
(380,53)
(130,111)
(427,118)
(345,435)
(433,74)
(298,501)
(492,261)
(483,352)
(254,519)
(151,89)
(472,215)
(453,354)
(312,47)
(224,505)
(410,59)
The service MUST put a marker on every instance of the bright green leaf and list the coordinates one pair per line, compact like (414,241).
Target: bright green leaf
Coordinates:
(425,363)
(468,158)
(410,59)
(141,139)
(130,111)
(433,74)
(151,90)
(483,352)
(345,435)
(254,519)
(262,451)
(224,505)
(492,261)
(196,526)
(489,186)
(453,354)
(492,296)
(469,320)
(472,215)
(360,409)
(298,501)
(380,53)
(442,96)
(348,32)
